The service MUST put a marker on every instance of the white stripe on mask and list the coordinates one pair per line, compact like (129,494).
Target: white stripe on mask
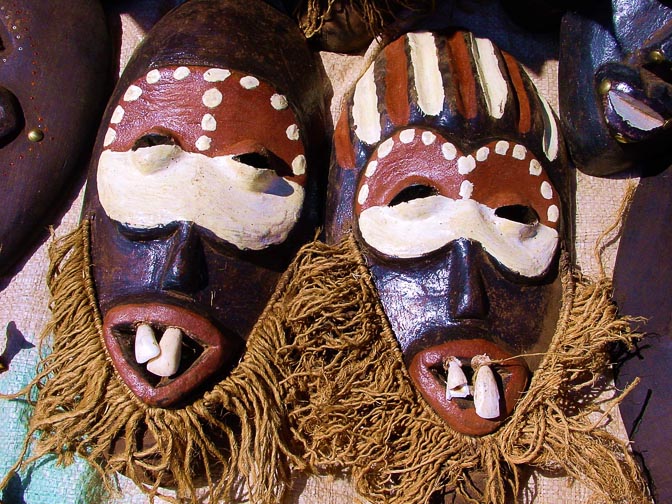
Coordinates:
(249,207)
(420,226)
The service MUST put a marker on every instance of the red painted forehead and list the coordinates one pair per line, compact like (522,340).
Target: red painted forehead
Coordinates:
(497,174)
(206,110)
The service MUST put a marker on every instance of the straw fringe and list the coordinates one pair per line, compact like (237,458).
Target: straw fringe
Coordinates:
(355,408)
(232,440)
(377,14)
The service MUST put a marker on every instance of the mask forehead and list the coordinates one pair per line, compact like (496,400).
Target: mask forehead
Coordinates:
(207,110)
(496,174)
(54,68)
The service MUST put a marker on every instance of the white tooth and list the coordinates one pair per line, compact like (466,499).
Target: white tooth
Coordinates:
(486,393)
(636,113)
(146,346)
(456,382)
(168,362)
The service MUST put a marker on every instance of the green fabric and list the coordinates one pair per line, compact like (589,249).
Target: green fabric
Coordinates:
(43,482)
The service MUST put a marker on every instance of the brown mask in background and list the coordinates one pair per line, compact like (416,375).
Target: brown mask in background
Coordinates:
(201,189)
(450,170)
(54,71)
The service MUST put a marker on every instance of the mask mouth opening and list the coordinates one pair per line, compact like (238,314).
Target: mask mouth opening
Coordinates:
(463,394)
(166,354)
(472,384)
(136,349)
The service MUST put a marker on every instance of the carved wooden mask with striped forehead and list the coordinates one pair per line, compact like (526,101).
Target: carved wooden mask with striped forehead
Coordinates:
(450,170)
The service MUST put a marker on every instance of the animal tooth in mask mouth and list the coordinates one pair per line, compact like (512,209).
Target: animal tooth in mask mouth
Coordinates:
(485,390)
(168,361)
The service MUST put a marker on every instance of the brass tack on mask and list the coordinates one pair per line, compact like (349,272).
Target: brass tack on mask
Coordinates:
(656,56)
(35,135)
(604,86)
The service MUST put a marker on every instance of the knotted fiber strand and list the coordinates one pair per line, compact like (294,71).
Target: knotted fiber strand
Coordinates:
(233,440)
(312,14)
(354,407)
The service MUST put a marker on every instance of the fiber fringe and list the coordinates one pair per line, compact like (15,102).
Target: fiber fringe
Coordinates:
(355,408)
(232,440)
(322,387)
(377,14)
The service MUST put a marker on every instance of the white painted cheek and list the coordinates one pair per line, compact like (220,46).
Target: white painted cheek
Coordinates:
(418,227)
(243,205)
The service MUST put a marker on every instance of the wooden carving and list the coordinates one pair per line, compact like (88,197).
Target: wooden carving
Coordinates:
(614,77)
(451,174)
(642,277)
(54,71)
(201,190)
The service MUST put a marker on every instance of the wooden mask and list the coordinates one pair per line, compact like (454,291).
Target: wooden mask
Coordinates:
(450,170)
(201,189)
(615,85)
(54,68)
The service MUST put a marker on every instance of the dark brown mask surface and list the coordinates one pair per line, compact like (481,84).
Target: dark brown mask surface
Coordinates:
(201,190)
(54,70)
(450,171)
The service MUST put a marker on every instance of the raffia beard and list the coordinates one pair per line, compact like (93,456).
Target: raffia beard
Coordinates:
(323,387)
(354,408)
(233,440)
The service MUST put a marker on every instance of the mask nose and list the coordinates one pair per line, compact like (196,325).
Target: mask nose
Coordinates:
(467,294)
(185,268)
(11,118)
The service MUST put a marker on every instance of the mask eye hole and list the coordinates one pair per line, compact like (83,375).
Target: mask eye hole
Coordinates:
(256,159)
(152,139)
(410,193)
(518,213)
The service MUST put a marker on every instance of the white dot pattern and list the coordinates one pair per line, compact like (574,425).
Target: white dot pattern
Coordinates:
(466,189)
(363,194)
(203,143)
(279,102)
(535,168)
(117,115)
(132,93)
(209,123)
(546,190)
(407,136)
(428,137)
(299,165)
(212,98)
(293,132)
(449,151)
(385,148)
(109,137)
(216,75)
(482,154)
(502,147)
(519,152)
(249,82)
(466,164)
(153,76)
(553,213)
(371,168)
(181,73)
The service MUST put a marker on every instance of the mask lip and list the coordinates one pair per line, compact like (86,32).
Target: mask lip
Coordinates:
(217,350)
(460,416)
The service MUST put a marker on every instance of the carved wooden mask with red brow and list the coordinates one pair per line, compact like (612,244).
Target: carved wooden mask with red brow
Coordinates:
(450,171)
(202,188)
(54,71)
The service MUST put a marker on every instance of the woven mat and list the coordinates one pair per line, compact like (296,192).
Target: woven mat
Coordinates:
(24,297)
